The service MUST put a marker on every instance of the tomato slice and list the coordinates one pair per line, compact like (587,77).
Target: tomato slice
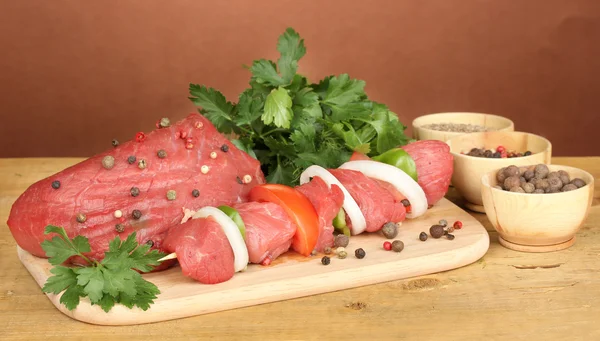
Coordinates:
(298,208)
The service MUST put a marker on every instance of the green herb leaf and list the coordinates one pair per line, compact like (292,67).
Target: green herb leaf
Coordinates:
(107,302)
(60,248)
(264,72)
(63,278)
(249,109)
(278,108)
(342,90)
(92,281)
(71,297)
(292,49)
(214,106)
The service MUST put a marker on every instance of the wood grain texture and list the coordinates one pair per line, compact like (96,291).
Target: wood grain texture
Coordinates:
(507,295)
(292,275)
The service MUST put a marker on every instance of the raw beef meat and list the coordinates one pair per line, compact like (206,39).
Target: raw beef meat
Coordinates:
(376,204)
(203,250)
(269,230)
(327,202)
(435,165)
(97,192)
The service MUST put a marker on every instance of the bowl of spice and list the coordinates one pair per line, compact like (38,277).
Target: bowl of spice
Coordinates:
(544,211)
(476,154)
(444,126)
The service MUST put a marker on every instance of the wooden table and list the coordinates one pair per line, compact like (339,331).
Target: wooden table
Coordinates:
(505,295)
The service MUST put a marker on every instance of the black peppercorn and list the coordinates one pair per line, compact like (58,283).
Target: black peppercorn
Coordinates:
(115,143)
(341,240)
(195,193)
(397,245)
(450,236)
(360,253)
(150,243)
(161,154)
(135,191)
(131,160)
(527,153)
(225,148)
(405,202)
(423,236)
(119,228)
(56,184)
(239,180)
(390,230)
(497,155)
(136,214)
(436,231)
(325,260)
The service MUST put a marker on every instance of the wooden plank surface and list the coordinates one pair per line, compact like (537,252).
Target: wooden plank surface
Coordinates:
(506,295)
(292,275)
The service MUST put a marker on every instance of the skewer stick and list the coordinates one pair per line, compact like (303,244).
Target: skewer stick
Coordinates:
(169,256)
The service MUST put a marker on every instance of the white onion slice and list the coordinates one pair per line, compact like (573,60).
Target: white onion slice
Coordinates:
(395,176)
(359,224)
(240,252)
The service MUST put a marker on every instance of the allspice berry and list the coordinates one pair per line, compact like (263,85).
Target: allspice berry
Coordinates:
(436,231)
(555,184)
(501,176)
(341,240)
(539,191)
(512,181)
(517,189)
(569,187)
(397,245)
(390,230)
(542,184)
(528,187)
(119,228)
(564,177)
(553,175)
(578,182)
(541,171)
(529,174)
(423,236)
(161,154)
(511,171)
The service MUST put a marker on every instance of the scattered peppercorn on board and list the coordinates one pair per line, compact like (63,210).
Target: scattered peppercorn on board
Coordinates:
(291,275)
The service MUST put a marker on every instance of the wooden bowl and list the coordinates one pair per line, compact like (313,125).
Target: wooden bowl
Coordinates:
(538,222)
(468,170)
(498,123)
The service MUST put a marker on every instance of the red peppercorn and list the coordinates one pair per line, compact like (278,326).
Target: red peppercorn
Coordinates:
(189,140)
(183,134)
(500,149)
(178,135)
(387,246)
(139,137)
(503,155)
(457,225)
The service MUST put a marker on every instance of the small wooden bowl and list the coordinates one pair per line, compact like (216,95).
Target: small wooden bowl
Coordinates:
(498,123)
(538,222)
(468,170)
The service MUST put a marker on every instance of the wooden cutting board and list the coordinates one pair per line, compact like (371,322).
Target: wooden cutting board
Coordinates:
(292,276)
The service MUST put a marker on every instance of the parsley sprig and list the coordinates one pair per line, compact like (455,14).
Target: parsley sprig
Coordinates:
(105,283)
(289,124)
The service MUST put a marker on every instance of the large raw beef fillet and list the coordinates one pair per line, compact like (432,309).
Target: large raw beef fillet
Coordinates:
(327,202)
(376,203)
(203,250)
(175,158)
(435,165)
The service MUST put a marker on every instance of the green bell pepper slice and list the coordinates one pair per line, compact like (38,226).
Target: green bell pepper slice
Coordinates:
(236,217)
(399,158)
(339,222)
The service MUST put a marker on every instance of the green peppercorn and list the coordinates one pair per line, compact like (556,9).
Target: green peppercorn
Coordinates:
(131,160)
(108,162)
(390,230)
(327,250)
(360,253)
(136,214)
(115,143)
(134,191)
(450,236)
(195,193)
(341,240)
(164,122)
(224,148)
(443,222)
(81,218)
(171,195)
(342,254)
(423,236)
(436,231)
(56,184)
(325,260)
(397,245)
(150,243)
(161,154)
(119,228)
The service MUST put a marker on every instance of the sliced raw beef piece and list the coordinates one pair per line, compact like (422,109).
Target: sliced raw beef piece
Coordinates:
(327,202)
(203,250)
(97,192)
(269,230)
(434,167)
(376,203)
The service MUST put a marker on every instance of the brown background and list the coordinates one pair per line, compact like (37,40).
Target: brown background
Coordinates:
(75,74)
